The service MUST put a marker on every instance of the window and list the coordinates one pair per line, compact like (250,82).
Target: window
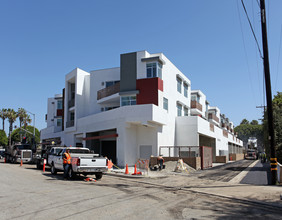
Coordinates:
(59,122)
(185,111)
(165,104)
(195,98)
(72,116)
(179,110)
(154,70)
(59,104)
(72,90)
(128,100)
(111,83)
(179,82)
(185,90)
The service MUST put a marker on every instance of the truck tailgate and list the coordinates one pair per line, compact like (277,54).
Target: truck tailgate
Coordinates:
(92,162)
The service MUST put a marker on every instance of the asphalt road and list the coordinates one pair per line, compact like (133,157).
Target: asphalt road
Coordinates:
(226,172)
(258,175)
(27,193)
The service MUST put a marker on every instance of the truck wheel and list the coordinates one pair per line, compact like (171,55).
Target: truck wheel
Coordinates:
(53,169)
(98,176)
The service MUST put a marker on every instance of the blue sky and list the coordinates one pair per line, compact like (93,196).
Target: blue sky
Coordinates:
(209,41)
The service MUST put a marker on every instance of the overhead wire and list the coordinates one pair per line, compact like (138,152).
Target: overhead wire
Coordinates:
(258,72)
(252,28)
(246,56)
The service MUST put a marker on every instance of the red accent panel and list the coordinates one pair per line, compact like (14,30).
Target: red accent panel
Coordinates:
(148,90)
(59,112)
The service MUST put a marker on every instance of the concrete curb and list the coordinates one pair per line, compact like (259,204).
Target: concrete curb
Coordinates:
(130,176)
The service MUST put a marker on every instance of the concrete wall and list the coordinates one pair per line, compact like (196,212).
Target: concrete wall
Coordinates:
(221,159)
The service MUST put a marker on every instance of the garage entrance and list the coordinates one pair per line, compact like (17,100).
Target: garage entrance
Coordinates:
(208,142)
(103,143)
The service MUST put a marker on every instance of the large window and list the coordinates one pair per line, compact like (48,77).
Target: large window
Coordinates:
(154,70)
(185,90)
(179,110)
(128,100)
(179,82)
(59,104)
(165,104)
(185,111)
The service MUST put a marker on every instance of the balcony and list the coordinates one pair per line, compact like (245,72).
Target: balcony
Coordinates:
(70,123)
(196,105)
(211,127)
(225,133)
(108,91)
(71,103)
(213,117)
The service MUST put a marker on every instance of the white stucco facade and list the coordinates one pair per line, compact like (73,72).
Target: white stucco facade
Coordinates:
(160,112)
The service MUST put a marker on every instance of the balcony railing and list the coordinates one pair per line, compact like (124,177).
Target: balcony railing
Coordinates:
(71,103)
(213,117)
(212,127)
(225,133)
(70,123)
(108,91)
(197,105)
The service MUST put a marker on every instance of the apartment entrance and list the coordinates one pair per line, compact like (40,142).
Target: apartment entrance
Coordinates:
(103,143)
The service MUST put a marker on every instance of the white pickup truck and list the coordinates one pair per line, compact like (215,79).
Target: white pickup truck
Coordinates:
(82,162)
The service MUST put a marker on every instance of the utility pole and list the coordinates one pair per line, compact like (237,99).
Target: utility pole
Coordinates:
(273,159)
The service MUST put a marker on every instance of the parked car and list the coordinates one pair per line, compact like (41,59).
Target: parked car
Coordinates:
(2,153)
(82,162)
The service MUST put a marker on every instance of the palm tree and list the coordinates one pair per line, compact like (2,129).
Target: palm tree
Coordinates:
(12,117)
(26,120)
(21,115)
(3,115)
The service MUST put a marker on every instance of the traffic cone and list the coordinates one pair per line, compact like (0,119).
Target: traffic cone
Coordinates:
(43,167)
(21,163)
(135,170)
(4,159)
(126,169)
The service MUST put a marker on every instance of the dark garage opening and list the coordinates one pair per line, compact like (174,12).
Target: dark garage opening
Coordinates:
(109,150)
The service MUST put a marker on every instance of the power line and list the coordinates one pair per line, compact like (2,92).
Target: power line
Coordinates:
(245,50)
(252,28)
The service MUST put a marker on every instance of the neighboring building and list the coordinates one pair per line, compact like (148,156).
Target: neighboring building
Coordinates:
(129,112)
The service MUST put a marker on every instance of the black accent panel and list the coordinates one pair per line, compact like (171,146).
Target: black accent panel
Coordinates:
(128,72)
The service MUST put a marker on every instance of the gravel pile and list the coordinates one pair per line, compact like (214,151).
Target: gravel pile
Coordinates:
(170,169)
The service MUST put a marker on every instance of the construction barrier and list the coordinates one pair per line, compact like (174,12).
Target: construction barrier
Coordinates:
(143,165)
(21,163)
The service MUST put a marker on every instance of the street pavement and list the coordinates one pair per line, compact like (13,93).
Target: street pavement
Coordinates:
(27,193)
(258,175)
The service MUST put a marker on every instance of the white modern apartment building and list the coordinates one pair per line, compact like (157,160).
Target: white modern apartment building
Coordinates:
(129,112)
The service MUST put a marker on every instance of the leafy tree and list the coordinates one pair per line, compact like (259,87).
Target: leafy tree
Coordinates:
(254,122)
(3,138)
(244,122)
(16,134)
(3,115)
(246,130)
(277,123)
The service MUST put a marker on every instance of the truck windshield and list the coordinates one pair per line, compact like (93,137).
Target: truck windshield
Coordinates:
(79,151)
(23,147)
